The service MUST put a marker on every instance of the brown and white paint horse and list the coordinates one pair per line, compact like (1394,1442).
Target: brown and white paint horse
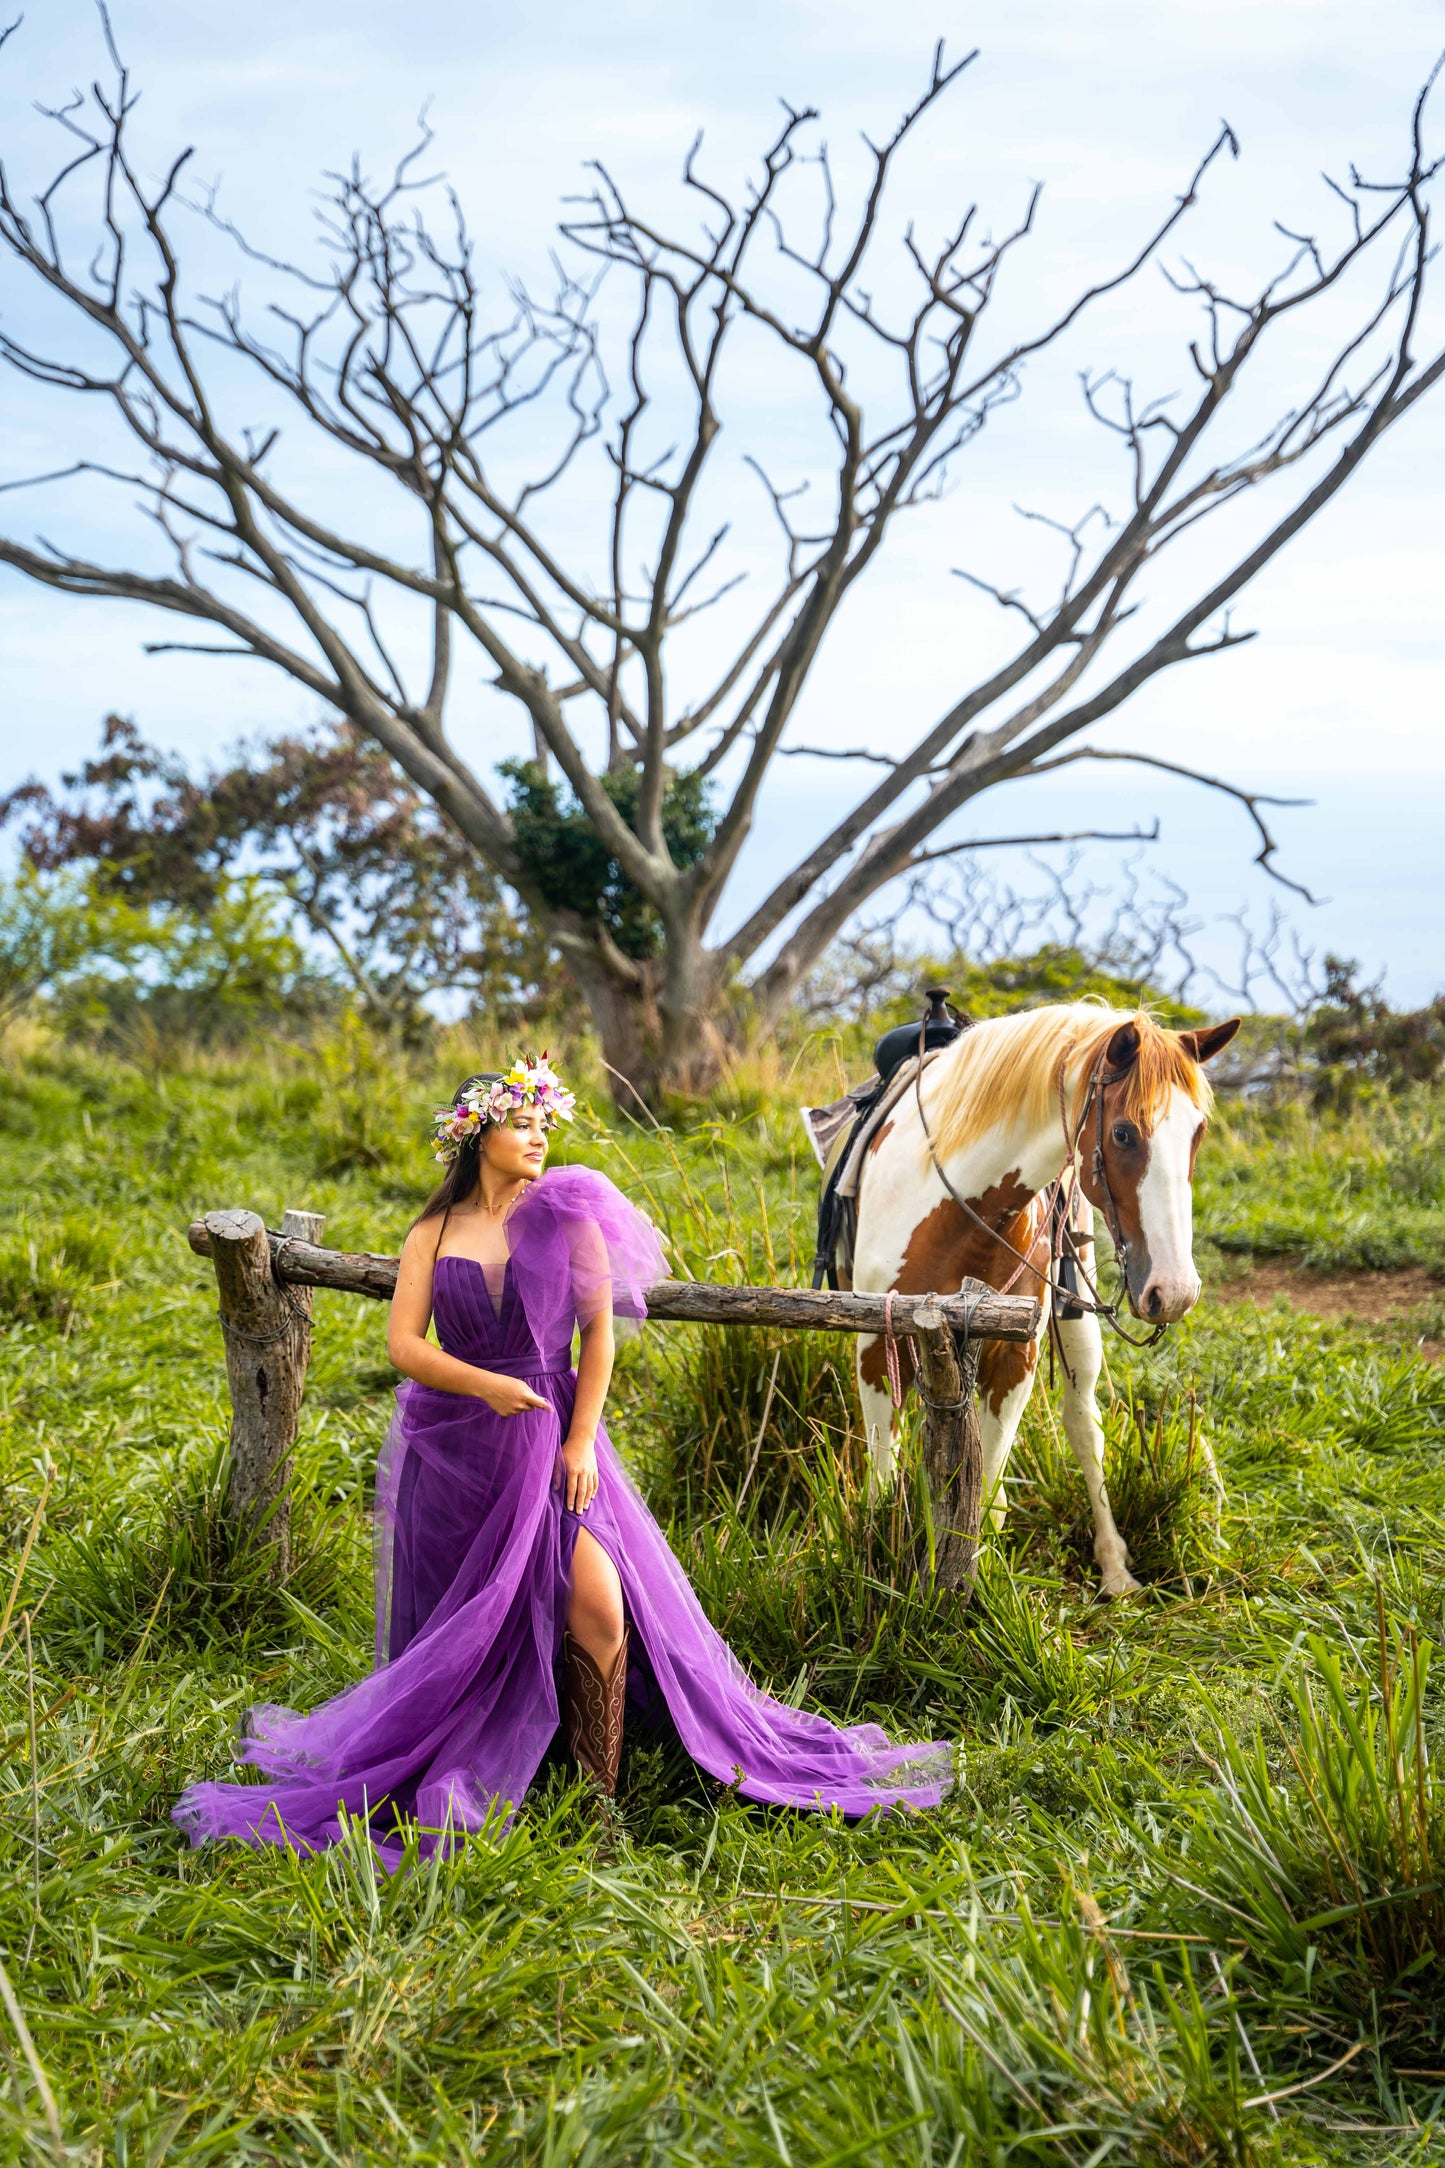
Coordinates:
(996,1102)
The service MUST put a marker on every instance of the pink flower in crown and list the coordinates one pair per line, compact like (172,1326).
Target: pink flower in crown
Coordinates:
(530,1082)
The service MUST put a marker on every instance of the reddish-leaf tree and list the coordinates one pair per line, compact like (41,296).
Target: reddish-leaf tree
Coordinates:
(579,586)
(391,891)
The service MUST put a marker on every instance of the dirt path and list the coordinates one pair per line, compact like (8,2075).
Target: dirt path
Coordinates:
(1375,1297)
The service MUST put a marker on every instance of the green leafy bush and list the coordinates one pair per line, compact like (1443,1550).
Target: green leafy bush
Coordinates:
(53,926)
(1354,1041)
(371,1110)
(571,865)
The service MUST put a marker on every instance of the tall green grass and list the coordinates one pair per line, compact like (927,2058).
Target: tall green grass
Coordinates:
(1323,1841)
(1340,1193)
(1163,1487)
(1190,1863)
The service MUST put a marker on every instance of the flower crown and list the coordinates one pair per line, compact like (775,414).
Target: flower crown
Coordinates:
(528,1083)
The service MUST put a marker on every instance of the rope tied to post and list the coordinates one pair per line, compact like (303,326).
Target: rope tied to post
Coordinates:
(963,1334)
(298,1313)
(296,1317)
(961,1338)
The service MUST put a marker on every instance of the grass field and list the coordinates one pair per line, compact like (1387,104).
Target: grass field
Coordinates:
(1188,1904)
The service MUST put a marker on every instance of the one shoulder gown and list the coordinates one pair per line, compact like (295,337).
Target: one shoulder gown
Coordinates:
(474,1547)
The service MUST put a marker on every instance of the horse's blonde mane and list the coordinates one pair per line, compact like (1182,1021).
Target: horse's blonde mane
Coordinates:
(1008,1066)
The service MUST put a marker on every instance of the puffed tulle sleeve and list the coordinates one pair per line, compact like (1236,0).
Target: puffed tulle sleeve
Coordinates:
(579,1247)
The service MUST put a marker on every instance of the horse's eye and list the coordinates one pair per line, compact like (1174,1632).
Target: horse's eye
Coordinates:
(1124,1135)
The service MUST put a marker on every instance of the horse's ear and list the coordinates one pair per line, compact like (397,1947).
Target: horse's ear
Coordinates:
(1123,1049)
(1202,1046)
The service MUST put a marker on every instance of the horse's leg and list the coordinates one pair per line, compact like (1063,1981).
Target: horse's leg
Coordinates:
(1081,1344)
(880,1420)
(1005,1380)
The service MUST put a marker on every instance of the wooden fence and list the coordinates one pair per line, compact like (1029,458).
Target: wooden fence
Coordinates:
(265,1278)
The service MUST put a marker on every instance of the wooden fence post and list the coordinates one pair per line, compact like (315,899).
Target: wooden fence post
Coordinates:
(947,1367)
(267,1329)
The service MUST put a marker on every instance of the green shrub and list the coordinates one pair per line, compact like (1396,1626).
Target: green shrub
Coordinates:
(1357,1044)
(370,1113)
(1414,1145)
(572,867)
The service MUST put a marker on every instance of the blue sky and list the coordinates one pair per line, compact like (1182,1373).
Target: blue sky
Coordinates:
(1340,697)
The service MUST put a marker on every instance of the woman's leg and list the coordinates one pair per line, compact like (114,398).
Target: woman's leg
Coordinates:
(595,1617)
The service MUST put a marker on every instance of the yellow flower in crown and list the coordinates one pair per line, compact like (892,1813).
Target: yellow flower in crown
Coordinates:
(531,1082)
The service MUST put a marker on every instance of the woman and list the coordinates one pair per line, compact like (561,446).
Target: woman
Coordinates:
(520,1578)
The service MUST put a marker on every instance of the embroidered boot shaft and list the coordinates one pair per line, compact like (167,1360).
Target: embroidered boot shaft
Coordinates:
(594,1712)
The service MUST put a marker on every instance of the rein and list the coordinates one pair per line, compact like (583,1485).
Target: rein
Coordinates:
(1100,1077)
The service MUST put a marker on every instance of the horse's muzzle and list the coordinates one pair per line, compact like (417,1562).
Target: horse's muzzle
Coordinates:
(1164,1299)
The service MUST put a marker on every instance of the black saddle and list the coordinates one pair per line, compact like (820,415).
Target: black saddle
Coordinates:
(939,1025)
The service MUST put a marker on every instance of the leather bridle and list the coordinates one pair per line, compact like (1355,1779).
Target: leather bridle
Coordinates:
(1101,1076)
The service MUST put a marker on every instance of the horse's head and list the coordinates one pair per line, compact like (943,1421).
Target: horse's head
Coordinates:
(1140,1133)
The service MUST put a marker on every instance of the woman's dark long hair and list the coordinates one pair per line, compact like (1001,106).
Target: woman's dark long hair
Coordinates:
(465,1172)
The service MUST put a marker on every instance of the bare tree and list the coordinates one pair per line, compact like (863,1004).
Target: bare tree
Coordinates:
(392,356)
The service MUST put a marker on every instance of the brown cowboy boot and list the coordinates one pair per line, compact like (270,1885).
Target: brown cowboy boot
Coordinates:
(594,1712)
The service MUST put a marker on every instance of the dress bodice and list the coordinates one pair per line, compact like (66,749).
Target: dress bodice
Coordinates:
(472,1328)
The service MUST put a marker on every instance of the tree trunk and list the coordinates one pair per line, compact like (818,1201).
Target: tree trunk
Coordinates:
(695,1044)
(625,1021)
(267,1328)
(656,1017)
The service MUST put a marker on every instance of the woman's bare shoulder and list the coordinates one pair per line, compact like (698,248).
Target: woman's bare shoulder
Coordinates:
(420,1246)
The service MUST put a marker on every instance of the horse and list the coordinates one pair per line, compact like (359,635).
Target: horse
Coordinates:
(960,1182)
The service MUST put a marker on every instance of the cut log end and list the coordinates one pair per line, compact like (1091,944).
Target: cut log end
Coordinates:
(233,1225)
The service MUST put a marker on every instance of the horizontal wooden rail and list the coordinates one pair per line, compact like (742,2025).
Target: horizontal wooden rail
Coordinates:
(268,1344)
(976,1312)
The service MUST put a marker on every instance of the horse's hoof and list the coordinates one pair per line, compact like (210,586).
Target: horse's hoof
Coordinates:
(1120,1584)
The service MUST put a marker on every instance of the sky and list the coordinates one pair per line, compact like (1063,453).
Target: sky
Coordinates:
(1337,700)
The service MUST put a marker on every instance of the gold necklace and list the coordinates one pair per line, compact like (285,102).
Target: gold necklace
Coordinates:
(492,1210)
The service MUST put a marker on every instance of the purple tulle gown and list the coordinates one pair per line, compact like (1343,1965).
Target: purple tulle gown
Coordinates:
(473,1553)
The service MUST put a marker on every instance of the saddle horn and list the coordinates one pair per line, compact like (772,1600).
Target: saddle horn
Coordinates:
(939,1025)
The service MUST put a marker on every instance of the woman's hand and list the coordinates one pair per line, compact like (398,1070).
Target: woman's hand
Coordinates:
(579,1458)
(508,1396)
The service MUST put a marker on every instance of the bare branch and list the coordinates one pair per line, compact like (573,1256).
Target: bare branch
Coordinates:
(1251,800)
(488,413)
(1004,843)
